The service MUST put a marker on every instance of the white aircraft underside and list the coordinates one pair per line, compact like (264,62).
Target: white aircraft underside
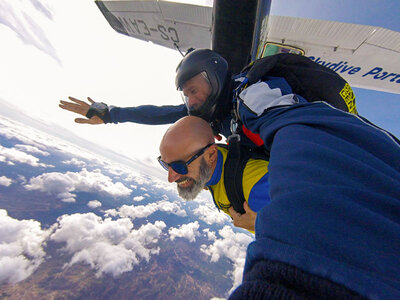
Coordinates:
(366,56)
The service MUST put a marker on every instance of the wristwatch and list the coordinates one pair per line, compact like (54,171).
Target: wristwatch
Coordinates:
(99,109)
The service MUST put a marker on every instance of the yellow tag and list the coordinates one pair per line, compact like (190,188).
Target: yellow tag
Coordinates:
(349,98)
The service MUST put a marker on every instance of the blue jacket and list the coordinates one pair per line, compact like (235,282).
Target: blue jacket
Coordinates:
(335,193)
(148,114)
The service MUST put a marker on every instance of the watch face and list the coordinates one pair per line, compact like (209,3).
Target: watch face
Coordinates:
(99,106)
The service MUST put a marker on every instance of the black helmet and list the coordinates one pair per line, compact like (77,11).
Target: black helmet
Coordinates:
(216,69)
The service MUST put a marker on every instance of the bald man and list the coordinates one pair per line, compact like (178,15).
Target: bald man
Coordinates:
(195,162)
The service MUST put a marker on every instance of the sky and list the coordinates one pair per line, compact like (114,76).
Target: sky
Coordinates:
(55,49)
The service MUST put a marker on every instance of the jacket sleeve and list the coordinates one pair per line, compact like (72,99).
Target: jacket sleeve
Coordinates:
(148,114)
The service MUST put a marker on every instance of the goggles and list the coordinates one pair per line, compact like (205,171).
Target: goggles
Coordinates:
(186,98)
(180,166)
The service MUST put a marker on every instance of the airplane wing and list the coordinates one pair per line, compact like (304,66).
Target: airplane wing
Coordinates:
(366,56)
(168,24)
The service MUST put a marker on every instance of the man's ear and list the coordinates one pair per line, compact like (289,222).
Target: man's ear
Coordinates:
(212,154)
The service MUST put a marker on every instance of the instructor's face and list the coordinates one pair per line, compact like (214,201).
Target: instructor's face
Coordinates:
(197,90)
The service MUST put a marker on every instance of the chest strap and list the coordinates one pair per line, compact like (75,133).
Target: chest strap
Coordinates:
(235,163)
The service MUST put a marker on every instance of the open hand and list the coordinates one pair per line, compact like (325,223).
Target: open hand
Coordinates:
(80,107)
(246,220)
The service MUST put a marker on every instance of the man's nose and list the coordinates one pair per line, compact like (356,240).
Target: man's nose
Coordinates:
(195,102)
(192,101)
(172,175)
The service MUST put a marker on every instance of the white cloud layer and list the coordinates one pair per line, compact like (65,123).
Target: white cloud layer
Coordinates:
(188,231)
(13,155)
(210,234)
(75,162)
(31,149)
(62,184)
(138,198)
(5,181)
(94,204)
(233,246)
(21,249)
(143,211)
(108,246)
(210,215)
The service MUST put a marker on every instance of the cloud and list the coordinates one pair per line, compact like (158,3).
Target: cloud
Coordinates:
(210,234)
(21,250)
(21,179)
(67,197)
(233,246)
(188,231)
(94,204)
(62,184)
(31,149)
(108,246)
(171,207)
(42,8)
(11,155)
(28,135)
(18,17)
(139,179)
(138,198)
(75,162)
(143,211)
(5,181)
(210,215)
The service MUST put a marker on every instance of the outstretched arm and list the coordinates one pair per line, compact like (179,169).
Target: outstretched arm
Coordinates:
(80,107)
(246,220)
(143,114)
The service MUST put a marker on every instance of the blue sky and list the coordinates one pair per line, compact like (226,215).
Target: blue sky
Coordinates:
(381,108)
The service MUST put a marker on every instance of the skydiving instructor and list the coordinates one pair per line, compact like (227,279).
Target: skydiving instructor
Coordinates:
(207,87)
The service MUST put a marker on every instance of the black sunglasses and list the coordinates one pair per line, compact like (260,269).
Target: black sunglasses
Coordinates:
(180,166)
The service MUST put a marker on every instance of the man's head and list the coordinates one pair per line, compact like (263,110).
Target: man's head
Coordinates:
(190,155)
(201,76)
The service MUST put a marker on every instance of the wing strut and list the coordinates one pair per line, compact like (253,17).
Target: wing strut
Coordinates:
(236,28)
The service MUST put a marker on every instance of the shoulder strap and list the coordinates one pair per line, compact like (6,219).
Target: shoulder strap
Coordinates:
(235,163)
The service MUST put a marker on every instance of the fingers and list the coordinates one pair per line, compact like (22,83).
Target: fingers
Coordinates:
(83,121)
(64,104)
(90,100)
(246,220)
(95,120)
(69,106)
(76,108)
(77,101)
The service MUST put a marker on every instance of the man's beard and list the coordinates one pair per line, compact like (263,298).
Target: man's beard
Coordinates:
(191,192)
